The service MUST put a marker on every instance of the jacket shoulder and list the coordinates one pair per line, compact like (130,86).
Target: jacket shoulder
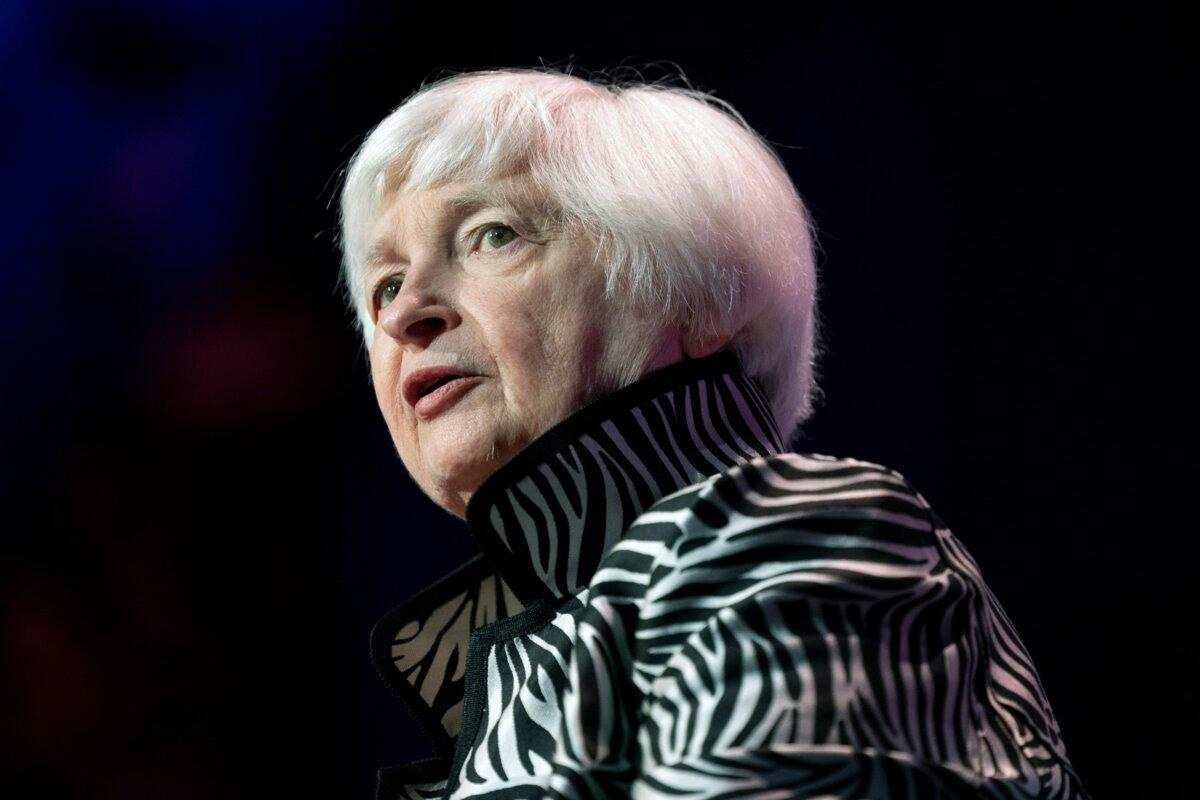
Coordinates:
(802,491)
(832,583)
(835,525)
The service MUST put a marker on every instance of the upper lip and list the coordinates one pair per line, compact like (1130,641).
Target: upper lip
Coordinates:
(420,379)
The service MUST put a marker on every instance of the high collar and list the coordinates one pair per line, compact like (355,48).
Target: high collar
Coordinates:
(546,518)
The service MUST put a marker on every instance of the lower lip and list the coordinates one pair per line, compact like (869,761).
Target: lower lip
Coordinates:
(444,396)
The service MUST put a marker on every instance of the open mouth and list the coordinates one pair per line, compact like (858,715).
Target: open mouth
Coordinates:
(430,389)
(442,393)
(437,384)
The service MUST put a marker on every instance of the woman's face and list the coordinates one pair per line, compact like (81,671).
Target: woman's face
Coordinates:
(490,328)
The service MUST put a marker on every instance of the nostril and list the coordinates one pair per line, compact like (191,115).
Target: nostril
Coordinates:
(426,328)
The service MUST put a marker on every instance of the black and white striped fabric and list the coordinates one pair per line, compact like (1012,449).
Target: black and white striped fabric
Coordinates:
(666,605)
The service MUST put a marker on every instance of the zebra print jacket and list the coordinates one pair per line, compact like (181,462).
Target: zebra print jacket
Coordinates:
(667,605)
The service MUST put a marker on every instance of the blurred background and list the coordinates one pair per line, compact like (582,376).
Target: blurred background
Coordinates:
(202,514)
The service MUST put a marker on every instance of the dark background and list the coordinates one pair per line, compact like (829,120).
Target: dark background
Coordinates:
(202,513)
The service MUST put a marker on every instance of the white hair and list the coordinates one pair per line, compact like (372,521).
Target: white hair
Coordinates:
(693,211)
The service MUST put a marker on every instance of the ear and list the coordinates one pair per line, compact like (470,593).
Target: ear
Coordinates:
(694,347)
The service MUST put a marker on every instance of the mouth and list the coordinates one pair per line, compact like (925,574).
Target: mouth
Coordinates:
(439,383)
(430,389)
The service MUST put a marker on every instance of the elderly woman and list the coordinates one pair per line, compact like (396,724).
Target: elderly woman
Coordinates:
(590,316)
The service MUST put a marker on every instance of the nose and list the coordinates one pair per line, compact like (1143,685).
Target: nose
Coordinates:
(416,317)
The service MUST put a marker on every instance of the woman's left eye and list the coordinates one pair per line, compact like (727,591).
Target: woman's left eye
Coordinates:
(495,237)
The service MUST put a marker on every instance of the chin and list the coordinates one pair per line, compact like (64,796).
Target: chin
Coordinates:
(473,449)
(452,466)
(458,476)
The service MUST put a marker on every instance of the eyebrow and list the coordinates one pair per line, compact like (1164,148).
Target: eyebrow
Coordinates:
(476,197)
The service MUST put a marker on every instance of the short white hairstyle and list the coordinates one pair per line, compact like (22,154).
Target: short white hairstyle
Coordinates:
(694,213)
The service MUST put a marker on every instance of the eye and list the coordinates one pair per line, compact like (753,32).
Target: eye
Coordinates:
(496,236)
(386,291)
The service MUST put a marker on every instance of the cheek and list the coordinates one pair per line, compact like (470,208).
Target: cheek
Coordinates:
(515,326)
(544,334)
(560,350)
(385,379)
